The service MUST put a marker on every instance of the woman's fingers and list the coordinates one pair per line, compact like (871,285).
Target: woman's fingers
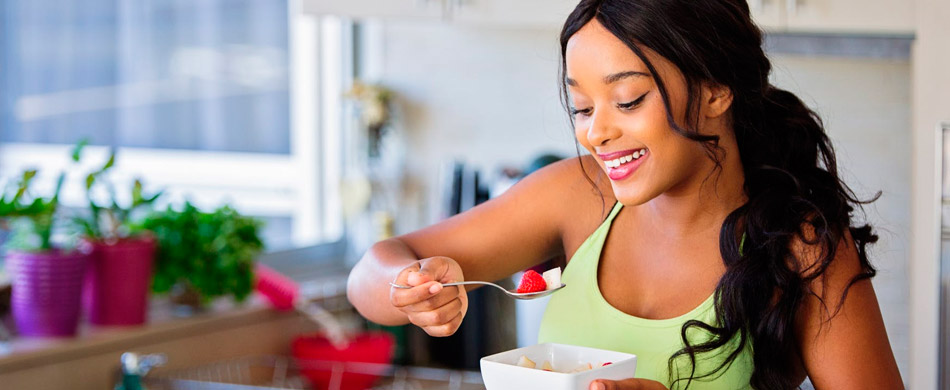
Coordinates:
(443,297)
(404,297)
(627,384)
(428,304)
(440,316)
(445,330)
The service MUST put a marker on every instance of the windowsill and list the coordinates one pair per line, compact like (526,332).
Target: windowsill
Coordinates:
(162,325)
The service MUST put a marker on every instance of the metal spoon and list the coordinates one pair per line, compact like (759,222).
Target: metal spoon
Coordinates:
(513,294)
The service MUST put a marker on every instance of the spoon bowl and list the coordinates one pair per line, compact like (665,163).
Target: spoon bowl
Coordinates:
(513,294)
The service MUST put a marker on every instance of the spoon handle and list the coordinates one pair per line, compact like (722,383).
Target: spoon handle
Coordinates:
(455,284)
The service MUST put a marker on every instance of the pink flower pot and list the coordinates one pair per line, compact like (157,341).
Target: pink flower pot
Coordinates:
(117,282)
(46,291)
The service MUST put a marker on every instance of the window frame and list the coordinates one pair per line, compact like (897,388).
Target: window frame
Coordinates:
(304,184)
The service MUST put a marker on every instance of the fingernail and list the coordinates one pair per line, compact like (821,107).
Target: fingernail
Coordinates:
(598,386)
(435,288)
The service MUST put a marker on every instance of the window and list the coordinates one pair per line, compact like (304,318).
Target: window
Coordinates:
(218,101)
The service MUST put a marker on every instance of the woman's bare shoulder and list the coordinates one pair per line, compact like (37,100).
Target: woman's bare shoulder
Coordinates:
(576,189)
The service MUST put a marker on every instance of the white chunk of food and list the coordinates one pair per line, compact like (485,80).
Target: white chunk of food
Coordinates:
(525,362)
(552,277)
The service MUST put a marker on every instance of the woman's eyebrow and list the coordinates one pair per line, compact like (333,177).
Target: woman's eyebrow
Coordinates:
(613,78)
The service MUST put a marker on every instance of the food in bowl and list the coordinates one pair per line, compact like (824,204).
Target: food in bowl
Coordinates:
(563,367)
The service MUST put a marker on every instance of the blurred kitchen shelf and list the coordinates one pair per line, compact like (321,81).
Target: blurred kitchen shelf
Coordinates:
(280,372)
(328,289)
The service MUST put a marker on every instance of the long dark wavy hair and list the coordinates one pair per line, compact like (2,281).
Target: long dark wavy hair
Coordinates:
(791,177)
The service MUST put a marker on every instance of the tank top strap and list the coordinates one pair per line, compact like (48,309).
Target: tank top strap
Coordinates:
(613,213)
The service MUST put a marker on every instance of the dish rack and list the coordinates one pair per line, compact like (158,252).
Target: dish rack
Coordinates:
(281,372)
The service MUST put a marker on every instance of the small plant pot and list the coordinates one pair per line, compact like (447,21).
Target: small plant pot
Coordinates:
(117,282)
(46,291)
(186,300)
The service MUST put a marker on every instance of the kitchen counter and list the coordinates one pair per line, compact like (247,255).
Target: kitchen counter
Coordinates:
(225,331)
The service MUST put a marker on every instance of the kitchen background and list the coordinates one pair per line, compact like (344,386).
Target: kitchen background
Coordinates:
(245,103)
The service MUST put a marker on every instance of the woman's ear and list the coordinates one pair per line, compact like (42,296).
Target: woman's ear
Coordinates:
(716,100)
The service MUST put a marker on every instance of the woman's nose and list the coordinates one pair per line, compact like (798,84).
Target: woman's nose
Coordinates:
(601,129)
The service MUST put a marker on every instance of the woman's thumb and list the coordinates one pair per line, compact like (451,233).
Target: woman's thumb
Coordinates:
(430,269)
(626,384)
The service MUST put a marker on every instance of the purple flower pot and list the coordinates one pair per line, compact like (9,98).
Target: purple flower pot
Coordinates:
(117,282)
(46,291)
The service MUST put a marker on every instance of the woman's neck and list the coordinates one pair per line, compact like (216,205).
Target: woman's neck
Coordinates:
(700,206)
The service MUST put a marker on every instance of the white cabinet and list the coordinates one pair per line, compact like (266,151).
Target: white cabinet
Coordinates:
(401,9)
(524,13)
(768,14)
(807,16)
(864,16)
(835,16)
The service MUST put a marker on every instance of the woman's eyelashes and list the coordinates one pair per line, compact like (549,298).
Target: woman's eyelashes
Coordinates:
(623,106)
(581,111)
(633,104)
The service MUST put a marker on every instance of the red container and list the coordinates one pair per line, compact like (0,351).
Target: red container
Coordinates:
(46,291)
(317,357)
(118,281)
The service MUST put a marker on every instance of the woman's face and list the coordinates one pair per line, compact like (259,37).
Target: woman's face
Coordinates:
(621,119)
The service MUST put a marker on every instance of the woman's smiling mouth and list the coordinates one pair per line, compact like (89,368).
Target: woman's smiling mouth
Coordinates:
(622,164)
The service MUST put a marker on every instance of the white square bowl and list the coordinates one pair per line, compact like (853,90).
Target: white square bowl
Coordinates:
(501,371)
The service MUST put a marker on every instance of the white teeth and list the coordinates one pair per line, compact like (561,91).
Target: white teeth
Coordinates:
(625,159)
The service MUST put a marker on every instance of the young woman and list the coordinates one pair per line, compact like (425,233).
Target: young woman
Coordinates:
(708,231)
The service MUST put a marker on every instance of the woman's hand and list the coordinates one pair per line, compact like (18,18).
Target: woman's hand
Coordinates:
(436,309)
(627,384)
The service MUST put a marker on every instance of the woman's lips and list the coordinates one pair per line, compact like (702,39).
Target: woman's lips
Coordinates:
(626,169)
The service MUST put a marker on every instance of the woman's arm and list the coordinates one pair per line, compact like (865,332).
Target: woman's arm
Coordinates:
(517,230)
(851,351)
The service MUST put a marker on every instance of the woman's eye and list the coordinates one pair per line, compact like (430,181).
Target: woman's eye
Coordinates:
(632,104)
(583,111)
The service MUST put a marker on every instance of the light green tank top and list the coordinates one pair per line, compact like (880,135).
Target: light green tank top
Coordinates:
(579,315)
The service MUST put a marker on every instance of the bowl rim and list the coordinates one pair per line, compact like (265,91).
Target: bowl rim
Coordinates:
(627,358)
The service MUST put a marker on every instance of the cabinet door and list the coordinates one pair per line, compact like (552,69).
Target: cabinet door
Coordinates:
(403,9)
(549,14)
(768,14)
(851,16)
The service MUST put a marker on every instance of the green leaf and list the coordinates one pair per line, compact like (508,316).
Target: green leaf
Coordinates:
(59,187)
(110,162)
(90,180)
(213,252)
(77,150)
(137,192)
(28,175)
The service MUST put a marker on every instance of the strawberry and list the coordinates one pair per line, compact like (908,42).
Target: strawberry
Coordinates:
(531,282)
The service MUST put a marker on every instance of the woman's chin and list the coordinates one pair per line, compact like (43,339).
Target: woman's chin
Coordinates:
(631,197)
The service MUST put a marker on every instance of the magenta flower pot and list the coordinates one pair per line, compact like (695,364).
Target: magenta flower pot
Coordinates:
(46,291)
(117,282)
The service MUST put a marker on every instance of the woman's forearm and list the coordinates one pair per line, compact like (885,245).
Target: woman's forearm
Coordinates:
(368,284)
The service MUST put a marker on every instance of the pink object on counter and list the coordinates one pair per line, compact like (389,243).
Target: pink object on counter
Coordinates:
(281,291)
(315,354)
(117,282)
(46,291)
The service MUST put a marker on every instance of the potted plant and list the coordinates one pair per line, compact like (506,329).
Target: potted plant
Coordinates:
(120,269)
(204,255)
(46,278)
